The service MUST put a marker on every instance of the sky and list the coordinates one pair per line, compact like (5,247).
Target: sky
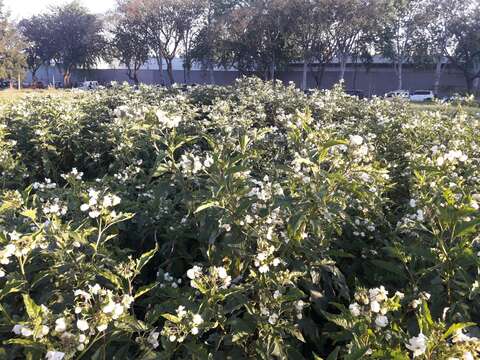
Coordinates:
(26,8)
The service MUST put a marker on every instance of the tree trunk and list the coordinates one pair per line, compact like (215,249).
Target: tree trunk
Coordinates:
(160,69)
(469,82)
(475,85)
(272,71)
(400,75)
(135,77)
(318,75)
(355,74)
(66,78)
(34,76)
(304,73)
(170,71)
(438,75)
(211,73)
(343,66)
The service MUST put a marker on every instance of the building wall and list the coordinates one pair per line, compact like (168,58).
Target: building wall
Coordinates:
(378,80)
(381,79)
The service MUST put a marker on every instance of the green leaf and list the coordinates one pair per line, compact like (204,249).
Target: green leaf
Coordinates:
(455,327)
(357,354)
(146,257)
(206,206)
(334,354)
(144,289)
(172,318)
(297,333)
(12,286)
(114,279)
(466,228)
(33,310)
(25,343)
(30,213)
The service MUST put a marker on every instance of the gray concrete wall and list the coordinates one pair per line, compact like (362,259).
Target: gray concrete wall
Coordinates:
(378,80)
(381,79)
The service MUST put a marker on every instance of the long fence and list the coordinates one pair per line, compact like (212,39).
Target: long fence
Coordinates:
(376,80)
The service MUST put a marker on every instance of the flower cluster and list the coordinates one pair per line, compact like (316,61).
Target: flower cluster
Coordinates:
(96,204)
(214,277)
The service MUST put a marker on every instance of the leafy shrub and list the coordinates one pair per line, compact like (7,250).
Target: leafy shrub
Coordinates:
(250,221)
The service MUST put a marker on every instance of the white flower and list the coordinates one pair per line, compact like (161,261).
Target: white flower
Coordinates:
(95,289)
(197,319)
(354,309)
(116,200)
(273,319)
(54,355)
(82,338)
(413,203)
(17,329)
(375,306)
(26,331)
(45,330)
(181,311)
(468,356)
(262,256)
(194,272)
(60,325)
(153,339)
(2,273)
(82,325)
(117,311)
(417,344)
(102,327)
(276,262)
(195,330)
(94,214)
(14,236)
(222,273)
(356,140)
(208,161)
(107,309)
(381,321)
(263,269)
(172,338)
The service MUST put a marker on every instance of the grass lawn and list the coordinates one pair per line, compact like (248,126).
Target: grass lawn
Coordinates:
(9,95)
(446,108)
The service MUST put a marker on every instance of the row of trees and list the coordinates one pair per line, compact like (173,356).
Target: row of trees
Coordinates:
(261,36)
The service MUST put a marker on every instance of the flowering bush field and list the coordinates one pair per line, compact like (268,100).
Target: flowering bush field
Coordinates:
(251,222)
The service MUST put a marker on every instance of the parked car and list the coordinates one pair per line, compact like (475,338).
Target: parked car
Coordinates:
(89,85)
(397,94)
(422,95)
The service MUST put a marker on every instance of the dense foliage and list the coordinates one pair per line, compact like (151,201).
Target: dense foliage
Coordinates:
(244,222)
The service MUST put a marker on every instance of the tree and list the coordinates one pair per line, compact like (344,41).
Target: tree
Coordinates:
(207,47)
(163,22)
(399,33)
(38,48)
(12,59)
(311,34)
(463,47)
(191,12)
(434,36)
(76,38)
(257,36)
(130,45)
(350,22)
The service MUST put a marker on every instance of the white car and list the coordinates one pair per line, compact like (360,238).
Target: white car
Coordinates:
(397,94)
(422,95)
(89,85)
